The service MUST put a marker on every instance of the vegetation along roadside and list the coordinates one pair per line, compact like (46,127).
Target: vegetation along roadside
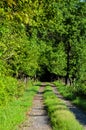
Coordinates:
(14,113)
(72,93)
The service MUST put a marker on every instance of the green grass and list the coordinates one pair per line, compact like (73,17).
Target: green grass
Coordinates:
(69,92)
(60,116)
(13,114)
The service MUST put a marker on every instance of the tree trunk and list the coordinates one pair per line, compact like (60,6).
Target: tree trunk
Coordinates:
(68,64)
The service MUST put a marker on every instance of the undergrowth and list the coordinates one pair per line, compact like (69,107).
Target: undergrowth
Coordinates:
(60,116)
(10,88)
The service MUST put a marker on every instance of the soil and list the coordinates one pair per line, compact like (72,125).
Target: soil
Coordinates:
(37,117)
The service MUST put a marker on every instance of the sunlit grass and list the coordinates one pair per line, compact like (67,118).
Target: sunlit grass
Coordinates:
(60,116)
(13,114)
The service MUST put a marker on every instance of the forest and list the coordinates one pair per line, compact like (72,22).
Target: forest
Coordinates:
(41,40)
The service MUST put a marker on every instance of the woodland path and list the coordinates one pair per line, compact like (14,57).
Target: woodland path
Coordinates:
(79,114)
(37,118)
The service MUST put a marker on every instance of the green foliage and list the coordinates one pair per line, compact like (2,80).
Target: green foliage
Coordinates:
(37,37)
(61,117)
(18,53)
(58,60)
(10,89)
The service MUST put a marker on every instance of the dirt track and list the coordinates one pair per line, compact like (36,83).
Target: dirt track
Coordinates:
(37,118)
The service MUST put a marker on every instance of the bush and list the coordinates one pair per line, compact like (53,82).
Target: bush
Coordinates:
(10,88)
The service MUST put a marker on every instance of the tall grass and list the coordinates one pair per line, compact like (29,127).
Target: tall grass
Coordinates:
(60,116)
(14,113)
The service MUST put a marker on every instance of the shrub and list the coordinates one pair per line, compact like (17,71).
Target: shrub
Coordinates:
(10,88)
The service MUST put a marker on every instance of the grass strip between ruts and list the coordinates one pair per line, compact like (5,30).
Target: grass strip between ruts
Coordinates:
(60,116)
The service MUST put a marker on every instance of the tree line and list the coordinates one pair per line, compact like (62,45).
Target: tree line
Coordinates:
(43,37)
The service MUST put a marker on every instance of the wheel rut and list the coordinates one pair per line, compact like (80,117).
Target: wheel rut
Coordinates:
(37,117)
(79,114)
